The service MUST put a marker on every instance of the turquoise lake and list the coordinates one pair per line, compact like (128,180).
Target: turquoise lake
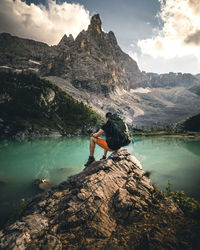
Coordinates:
(177,160)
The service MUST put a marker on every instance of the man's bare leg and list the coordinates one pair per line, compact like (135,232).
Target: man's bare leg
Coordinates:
(92,148)
(105,152)
(92,145)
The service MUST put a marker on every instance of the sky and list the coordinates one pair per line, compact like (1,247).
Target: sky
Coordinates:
(161,35)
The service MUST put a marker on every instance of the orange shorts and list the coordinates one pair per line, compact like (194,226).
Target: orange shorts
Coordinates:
(103,144)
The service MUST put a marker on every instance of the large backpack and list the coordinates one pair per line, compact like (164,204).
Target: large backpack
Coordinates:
(120,131)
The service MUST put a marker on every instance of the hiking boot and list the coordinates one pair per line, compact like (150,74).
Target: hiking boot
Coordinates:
(91,159)
(103,158)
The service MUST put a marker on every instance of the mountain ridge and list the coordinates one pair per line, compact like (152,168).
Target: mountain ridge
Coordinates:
(191,124)
(96,71)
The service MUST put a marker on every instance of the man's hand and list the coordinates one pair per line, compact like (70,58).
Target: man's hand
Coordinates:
(96,135)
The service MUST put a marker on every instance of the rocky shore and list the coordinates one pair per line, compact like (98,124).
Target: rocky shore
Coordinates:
(109,205)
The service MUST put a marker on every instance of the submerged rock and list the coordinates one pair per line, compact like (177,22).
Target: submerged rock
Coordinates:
(42,184)
(110,204)
(65,170)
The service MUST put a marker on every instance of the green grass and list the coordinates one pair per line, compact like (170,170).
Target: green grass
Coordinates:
(188,205)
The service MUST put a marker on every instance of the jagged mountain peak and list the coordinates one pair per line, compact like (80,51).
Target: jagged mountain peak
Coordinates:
(112,37)
(95,24)
(93,61)
(66,40)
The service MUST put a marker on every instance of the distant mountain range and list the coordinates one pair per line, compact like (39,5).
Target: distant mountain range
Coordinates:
(93,69)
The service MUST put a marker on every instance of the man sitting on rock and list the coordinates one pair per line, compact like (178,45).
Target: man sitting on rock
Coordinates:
(108,145)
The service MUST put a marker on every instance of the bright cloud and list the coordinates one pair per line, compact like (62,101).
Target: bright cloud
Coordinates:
(41,23)
(180,34)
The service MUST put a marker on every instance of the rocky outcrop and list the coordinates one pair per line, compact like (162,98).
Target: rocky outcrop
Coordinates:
(110,204)
(42,184)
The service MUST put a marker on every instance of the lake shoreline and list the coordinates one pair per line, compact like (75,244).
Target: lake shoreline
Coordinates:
(57,158)
(192,135)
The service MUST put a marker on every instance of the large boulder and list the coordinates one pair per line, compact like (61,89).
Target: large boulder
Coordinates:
(110,204)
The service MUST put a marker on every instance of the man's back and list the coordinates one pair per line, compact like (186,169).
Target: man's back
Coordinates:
(110,134)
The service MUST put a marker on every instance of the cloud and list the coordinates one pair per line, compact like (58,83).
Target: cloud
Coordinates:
(195,5)
(193,38)
(179,35)
(40,23)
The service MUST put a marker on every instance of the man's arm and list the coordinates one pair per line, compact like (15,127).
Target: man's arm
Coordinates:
(100,132)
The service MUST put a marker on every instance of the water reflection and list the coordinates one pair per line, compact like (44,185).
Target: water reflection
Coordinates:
(177,160)
(174,159)
(192,146)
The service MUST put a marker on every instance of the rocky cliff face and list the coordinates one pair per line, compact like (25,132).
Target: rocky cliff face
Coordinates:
(21,54)
(93,61)
(170,80)
(110,204)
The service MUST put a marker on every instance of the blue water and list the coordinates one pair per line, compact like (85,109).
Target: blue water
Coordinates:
(177,160)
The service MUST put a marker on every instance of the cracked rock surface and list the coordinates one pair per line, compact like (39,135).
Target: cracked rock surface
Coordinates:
(110,204)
